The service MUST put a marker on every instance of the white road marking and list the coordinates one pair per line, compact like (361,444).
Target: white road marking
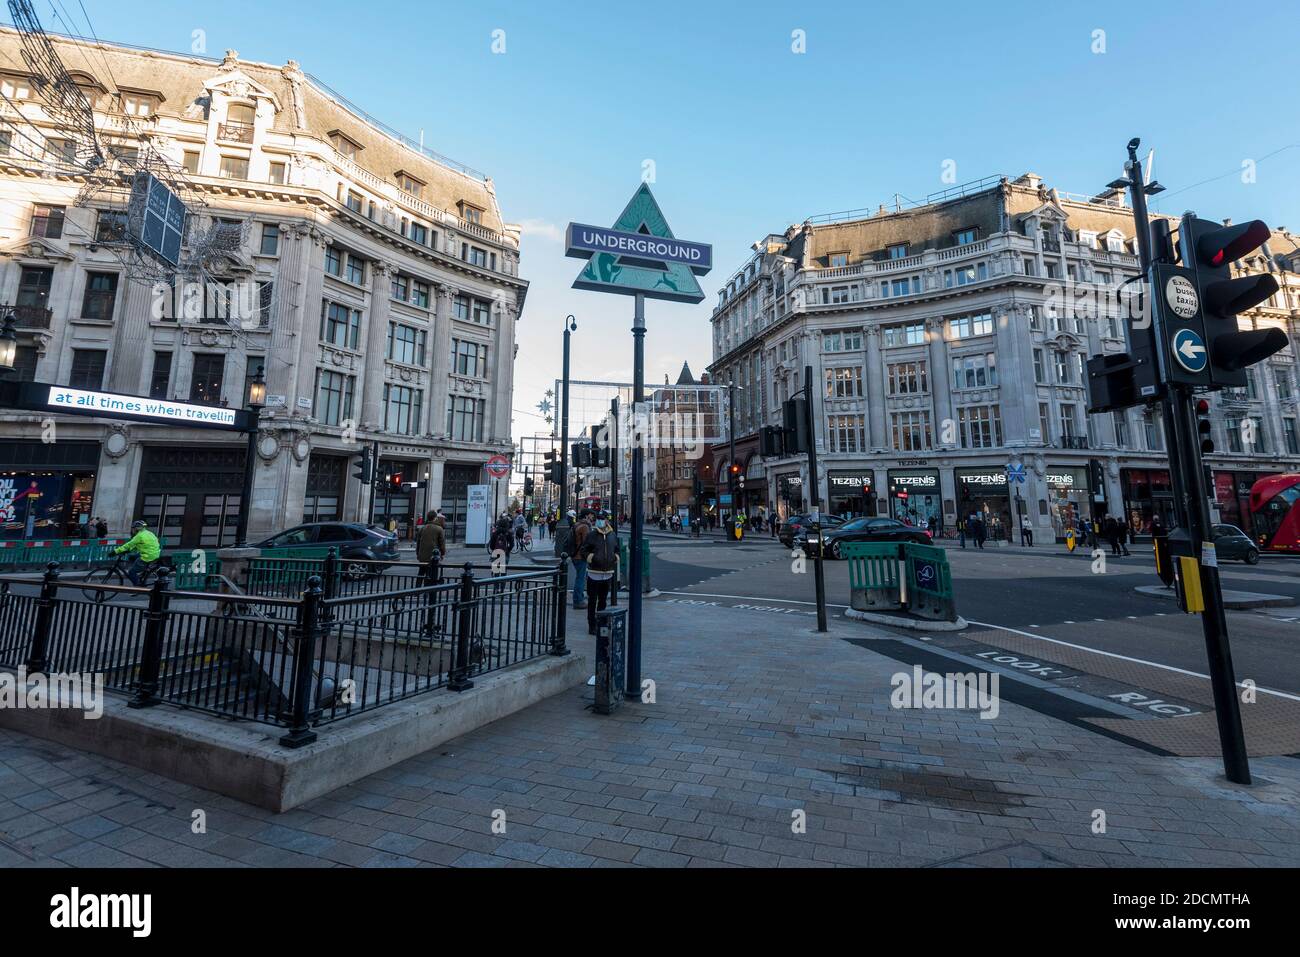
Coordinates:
(1140,661)
(779,601)
(1067,622)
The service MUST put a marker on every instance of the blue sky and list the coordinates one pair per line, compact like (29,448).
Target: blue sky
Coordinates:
(748,136)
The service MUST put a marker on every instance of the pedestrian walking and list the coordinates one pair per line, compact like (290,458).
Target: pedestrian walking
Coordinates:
(101,528)
(1026,532)
(980,530)
(599,552)
(963,525)
(432,540)
(1110,531)
(1125,536)
(577,539)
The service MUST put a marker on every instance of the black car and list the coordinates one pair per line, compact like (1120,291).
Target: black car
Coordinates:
(795,524)
(1232,543)
(865,530)
(356,542)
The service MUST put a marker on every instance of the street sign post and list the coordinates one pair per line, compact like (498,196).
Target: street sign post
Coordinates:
(638,256)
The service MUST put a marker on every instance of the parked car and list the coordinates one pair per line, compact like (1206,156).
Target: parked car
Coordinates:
(795,523)
(357,543)
(864,530)
(1232,543)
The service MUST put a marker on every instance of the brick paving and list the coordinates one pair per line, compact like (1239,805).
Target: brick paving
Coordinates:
(758,722)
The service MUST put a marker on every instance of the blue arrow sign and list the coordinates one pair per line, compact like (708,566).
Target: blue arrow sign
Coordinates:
(1189,350)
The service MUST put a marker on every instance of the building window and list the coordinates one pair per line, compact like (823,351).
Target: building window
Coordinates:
(844,383)
(25,364)
(475,256)
(1040,370)
(981,426)
(47,221)
(1045,421)
(1151,431)
(405,344)
(276,174)
(402,409)
(15,88)
(34,288)
(837,260)
(87,369)
(334,392)
(906,286)
(907,378)
(1035,319)
(471,214)
(334,261)
(399,287)
(834,342)
(964,237)
(465,418)
(347,147)
(964,327)
(133,104)
(911,431)
(908,334)
(897,251)
(6,142)
(1120,419)
(482,312)
(340,326)
(409,184)
(209,375)
(975,371)
(110,226)
(845,433)
(839,294)
(1289,436)
(1069,421)
(420,294)
(419,234)
(965,274)
(1282,376)
(100,297)
(61,150)
(353,201)
(161,378)
(234,167)
(1031,268)
(469,358)
(1064,367)
(190,162)
(270,239)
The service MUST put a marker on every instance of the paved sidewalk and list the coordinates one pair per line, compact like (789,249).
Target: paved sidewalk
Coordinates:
(756,718)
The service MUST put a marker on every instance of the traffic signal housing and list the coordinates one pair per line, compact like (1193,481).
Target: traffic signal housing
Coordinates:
(1203,426)
(580,452)
(528,486)
(771,442)
(795,422)
(365,467)
(1209,249)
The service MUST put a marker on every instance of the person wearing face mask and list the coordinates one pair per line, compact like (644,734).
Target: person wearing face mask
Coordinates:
(600,549)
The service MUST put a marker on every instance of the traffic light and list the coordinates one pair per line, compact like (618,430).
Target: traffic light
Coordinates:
(577,486)
(1203,427)
(528,486)
(580,452)
(395,481)
(795,422)
(697,487)
(1210,249)
(599,456)
(365,467)
(771,441)
(553,472)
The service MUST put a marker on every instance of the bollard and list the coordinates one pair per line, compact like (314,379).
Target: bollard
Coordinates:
(38,660)
(309,617)
(458,679)
(558,638)
(150,666)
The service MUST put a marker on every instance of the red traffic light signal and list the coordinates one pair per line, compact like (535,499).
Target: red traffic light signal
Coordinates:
(1203,426)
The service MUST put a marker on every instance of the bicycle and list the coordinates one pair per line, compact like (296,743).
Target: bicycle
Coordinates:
(115,574)
(525,541)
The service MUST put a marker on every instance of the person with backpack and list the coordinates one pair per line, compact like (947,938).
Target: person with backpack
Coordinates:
(599,553)
(432,540)
(575,553)
(503,539)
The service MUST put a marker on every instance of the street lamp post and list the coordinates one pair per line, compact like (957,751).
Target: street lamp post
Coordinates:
(732,388)
(255,401)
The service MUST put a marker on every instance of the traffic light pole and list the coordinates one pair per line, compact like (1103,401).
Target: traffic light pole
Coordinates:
(1191,508)
(638,505)
(569,325)
(612,454)
(814,496)
(731,460)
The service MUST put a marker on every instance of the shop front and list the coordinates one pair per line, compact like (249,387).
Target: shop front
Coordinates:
(789,495)
(1067,498)
(1232,495)
(984,492)
(915,497)
(851,494)
(47,490)
(326,485)
(1147,496)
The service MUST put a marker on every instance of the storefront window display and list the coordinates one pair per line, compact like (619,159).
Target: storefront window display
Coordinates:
(1067,497)
(914,497)
(984,492)
(851,494)
(1147,494)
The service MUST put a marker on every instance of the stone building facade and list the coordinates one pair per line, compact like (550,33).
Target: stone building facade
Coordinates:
(386,288)
(947,343)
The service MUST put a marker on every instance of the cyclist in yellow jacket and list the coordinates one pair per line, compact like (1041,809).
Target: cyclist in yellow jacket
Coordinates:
(145,545)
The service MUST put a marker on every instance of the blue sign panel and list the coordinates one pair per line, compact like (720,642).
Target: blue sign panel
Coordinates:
(926,573)
(1189,350)
(1016,474)
(583,242)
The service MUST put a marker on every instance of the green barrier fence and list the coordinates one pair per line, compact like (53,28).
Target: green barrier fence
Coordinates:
(929,582)
(923,587)
(873,576)
(33,555)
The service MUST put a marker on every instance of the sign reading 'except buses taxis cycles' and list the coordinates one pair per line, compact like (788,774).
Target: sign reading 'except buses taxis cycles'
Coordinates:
(43,397)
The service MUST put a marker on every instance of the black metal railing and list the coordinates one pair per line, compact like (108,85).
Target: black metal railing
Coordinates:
(297,661)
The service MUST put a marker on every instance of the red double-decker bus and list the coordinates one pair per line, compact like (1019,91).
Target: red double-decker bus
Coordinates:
(1274,515)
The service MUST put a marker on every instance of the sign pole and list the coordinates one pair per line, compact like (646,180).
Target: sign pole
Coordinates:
(611,447)
(638,505)
(814,495)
